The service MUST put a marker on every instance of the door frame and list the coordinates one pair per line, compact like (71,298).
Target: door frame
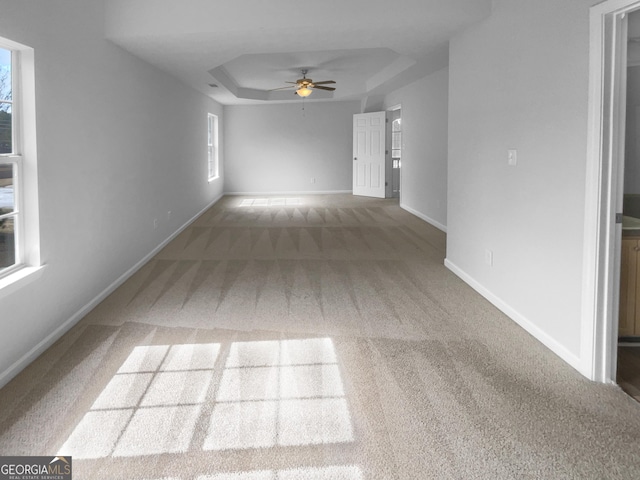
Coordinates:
(604,188)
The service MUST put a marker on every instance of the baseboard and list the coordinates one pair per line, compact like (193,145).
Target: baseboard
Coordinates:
(557,348)
(422,216)
(271,194)
(35,352)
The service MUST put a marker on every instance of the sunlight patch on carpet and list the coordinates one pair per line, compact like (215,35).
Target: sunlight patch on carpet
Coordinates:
(280,393)
(270,202)
(150,406)
(266,394)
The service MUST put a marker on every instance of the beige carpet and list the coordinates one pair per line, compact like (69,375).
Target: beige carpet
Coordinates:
(315,338)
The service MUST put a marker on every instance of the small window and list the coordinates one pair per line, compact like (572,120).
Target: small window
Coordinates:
(213,146)
(396,138)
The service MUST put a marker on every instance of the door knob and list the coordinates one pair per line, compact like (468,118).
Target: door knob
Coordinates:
(355,158)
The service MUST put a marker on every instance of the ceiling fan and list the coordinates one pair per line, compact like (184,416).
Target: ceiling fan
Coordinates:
(304,86)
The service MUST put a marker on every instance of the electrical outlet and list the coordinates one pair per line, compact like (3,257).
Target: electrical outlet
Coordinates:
(313,180)
(169,215)
(155,223)
(488,257)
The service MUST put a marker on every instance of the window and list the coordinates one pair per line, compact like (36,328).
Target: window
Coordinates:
(10,166)
(396,141)
(213,146)
(19,229)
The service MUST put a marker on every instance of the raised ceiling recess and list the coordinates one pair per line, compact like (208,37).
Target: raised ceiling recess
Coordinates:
(251,47)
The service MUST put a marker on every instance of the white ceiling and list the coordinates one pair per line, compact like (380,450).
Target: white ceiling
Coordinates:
(247,47)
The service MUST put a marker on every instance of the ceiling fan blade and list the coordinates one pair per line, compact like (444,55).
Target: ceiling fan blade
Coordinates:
(320,87)
(325,82)
(295,83)
(281,88)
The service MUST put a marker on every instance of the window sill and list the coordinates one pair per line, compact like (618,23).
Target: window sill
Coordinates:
(212,179)
(18,279)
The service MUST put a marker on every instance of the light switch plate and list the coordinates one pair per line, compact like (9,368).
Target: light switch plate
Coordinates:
(512,156)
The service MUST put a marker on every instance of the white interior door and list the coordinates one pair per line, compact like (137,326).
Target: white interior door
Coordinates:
(369,151)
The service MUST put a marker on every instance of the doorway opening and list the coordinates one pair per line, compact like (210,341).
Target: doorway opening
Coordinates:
(607,268)
(628,351)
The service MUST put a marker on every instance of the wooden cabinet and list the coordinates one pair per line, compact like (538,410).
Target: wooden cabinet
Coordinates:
(629,318)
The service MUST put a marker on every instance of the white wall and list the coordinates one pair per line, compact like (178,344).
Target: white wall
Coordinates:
(279,148)
(519,80)
(119,144)
(423,187)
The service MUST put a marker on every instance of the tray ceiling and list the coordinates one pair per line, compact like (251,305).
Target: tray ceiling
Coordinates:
(369,47)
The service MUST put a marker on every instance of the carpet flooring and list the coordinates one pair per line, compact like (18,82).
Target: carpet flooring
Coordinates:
(319,338)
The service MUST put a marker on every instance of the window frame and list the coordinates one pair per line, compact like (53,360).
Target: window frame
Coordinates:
(24,155)
(15,158)
(213,164)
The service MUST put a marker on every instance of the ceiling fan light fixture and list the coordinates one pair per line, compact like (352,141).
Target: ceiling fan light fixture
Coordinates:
(304,91)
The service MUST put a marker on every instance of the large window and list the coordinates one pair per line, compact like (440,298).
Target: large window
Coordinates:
(10,165)
(213,146)
(19,217)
